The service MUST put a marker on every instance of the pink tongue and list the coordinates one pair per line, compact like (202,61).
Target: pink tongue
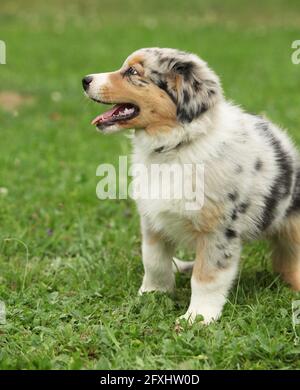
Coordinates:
(107,115)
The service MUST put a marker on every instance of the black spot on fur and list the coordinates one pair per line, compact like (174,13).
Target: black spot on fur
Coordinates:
(184,68)
(238,169)
(281,187)
(295,203)
(159,150)
(184,116)
(171,63)
(187,114)
(230,233)
(186,96)
(233,196)
(156,73)
(243,207)
(152,50)
(222,264)
(262,125)
(227,255)
(258,165)
(201,109)
(163,60)
(162,84)
(196,86)
(234,215)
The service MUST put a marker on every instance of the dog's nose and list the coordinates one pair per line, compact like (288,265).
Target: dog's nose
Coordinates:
(86,81)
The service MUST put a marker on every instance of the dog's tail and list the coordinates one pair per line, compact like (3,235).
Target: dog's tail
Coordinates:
(182,266)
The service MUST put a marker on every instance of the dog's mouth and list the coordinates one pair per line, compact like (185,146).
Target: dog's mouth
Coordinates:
(120,112)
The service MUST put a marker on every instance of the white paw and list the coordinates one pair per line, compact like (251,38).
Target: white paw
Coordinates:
(209,314)
(143,290)
(149,288)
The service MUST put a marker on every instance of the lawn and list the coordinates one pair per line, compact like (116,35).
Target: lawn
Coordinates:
(70,264)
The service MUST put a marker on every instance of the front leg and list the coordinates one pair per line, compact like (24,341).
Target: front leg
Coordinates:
(216,265)
(157,260)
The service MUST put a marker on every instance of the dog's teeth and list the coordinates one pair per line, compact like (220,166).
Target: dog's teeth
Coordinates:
(128,111)
(125,112)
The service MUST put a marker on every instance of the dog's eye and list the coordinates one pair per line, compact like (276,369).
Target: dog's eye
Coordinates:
(131,71)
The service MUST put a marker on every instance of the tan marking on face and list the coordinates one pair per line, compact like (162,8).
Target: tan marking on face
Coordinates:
(139,67)
(157,110)
(137,59)
(175,83)
(137,63)
(178,82)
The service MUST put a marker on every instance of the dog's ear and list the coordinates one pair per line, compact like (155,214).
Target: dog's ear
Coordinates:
(197,88)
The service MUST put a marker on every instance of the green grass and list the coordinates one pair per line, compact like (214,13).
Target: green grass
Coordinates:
(70,264)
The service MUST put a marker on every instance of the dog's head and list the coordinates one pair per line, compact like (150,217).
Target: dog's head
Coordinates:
(155,89)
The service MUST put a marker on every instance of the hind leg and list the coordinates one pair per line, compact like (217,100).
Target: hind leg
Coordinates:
(286,252)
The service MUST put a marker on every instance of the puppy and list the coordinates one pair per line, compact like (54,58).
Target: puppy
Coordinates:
(251,183)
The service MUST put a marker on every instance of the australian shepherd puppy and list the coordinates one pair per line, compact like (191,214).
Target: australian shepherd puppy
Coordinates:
(175,103)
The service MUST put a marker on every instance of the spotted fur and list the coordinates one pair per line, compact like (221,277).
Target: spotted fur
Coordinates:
(199,88)
(252,176)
